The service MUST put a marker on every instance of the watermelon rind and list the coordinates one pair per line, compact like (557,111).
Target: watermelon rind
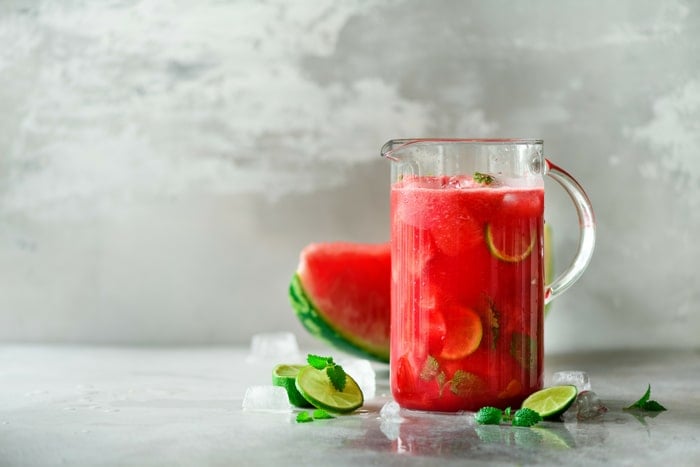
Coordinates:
(548,261)
(314,322)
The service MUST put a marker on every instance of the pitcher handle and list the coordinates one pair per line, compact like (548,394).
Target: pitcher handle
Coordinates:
(586,242)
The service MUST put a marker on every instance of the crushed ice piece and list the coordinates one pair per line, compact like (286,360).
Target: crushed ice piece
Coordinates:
(273,345)
(587,406)
(266,398)
(574,378)
(391,412)
(391,420)
(461,181)
(391,429)
(363,373)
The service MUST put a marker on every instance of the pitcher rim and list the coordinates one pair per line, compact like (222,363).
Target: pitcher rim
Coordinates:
(389,146)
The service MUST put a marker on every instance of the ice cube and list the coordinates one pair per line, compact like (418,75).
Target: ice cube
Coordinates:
(363,373)
(586,407)
(572,377)
(266,399)
(589,405)
(277,345)
(391,412)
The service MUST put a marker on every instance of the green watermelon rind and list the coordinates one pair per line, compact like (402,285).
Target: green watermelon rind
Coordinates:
(548,262)
(316,324)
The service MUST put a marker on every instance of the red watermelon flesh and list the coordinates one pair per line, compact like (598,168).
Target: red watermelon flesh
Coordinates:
(341,294)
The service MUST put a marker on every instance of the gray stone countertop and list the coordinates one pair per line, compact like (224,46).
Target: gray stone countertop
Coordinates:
(92,406)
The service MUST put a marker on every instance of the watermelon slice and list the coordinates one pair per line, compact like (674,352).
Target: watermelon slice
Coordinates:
(341,294)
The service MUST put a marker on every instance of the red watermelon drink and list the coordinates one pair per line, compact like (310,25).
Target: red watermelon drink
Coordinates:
(467,291)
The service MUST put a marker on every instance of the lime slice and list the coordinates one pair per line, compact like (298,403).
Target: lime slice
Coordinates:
(552,401)
(285,376)
(509,245)
(315,386)
(463,333)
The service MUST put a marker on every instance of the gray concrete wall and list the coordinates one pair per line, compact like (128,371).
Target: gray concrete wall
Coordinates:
(163,162)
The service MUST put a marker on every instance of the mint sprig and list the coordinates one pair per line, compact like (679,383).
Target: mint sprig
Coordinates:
(484,179)
(645,404)
(318,362)
(488,416)
(526,417)
(493,416)
(335,372)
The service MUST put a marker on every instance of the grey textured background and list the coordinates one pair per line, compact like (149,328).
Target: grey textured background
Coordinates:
(163,162)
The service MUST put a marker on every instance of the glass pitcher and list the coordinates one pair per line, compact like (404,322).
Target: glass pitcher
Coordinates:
(467,285)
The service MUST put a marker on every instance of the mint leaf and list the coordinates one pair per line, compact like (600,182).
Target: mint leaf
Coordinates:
(335,372)
(441,378)
(483,178)
(488,416)
(337,376)
(653,406)
(493,323)
(465,384)
(430,369)
(526,417)
(492,416)
(523,349)
(320,414)
(645,404)
(318,362)
(640,403)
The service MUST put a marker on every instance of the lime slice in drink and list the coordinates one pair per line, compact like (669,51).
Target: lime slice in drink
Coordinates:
(508,244)
(315,386)
(463,333)
(551,402)
(285,376)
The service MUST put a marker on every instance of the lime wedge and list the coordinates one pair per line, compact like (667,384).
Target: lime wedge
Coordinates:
(551,402)
(285,376)
(315,386)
